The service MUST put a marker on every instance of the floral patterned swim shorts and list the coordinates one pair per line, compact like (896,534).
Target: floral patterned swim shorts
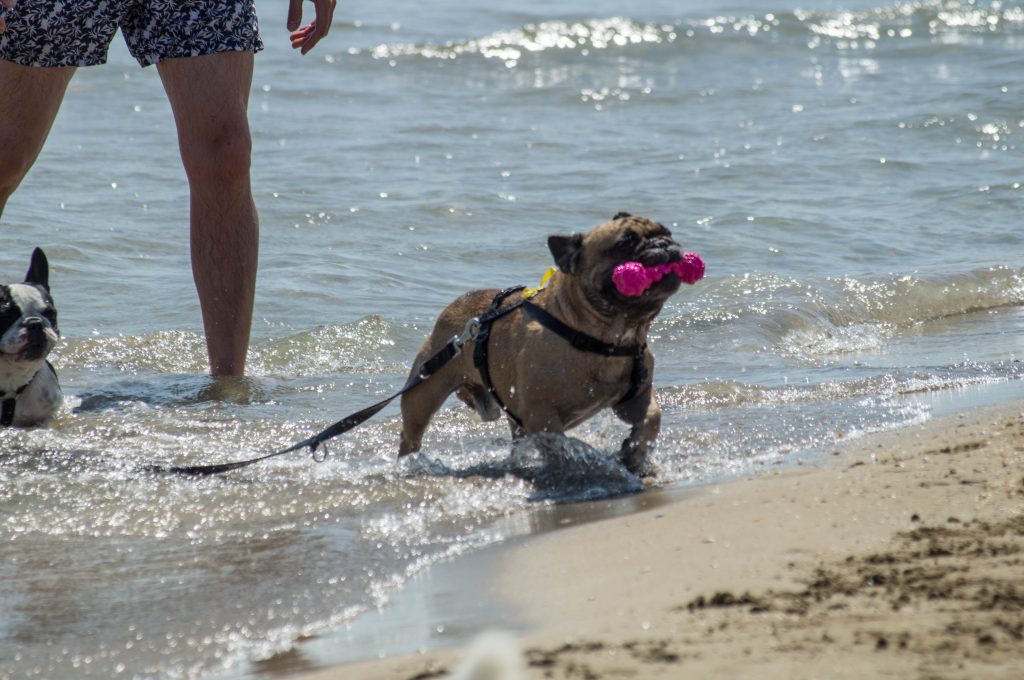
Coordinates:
(78,32)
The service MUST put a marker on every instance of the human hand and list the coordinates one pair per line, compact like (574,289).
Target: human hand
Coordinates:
(5,5)
(305,38)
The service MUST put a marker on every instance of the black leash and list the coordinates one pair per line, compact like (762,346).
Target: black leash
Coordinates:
(430,366)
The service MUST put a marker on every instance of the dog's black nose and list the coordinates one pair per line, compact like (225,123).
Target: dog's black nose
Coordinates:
(660,251)
(35,330)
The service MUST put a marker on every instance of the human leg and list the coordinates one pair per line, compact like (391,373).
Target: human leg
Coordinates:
(29,100)
(209,96)
(42,44)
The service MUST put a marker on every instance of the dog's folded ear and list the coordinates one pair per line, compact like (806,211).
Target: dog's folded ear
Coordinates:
(566,250)
(39,269)
(621,215)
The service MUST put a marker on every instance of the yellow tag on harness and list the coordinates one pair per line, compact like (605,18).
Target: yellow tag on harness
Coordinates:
(530,292)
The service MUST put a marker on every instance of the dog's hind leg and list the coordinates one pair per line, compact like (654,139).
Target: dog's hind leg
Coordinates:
(418,406)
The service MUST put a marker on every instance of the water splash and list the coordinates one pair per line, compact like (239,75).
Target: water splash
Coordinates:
(558,468)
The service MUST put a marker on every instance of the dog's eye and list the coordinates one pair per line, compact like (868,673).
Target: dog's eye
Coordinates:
(50,314)
(627,242)
(8,314)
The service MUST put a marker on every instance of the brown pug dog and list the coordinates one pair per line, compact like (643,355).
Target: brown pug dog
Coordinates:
(542,381)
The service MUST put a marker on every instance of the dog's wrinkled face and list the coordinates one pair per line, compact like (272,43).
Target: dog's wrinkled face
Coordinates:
(592,257)
(28,319)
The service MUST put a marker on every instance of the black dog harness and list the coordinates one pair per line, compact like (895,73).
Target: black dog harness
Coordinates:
(7,406)
(8,403)
(578,339)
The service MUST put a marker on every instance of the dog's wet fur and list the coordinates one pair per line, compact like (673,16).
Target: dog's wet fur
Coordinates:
(548,384)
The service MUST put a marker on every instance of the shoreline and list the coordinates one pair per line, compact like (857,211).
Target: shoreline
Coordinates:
(897,553)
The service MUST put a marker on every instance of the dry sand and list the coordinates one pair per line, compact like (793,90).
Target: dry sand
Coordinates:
(901,556)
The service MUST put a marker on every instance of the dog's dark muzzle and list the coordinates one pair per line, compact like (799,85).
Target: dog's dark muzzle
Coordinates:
(37,341)
(659,251)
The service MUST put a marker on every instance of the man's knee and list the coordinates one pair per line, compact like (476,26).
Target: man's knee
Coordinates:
(29,101)
(13,168)
(17,153)
(219,156)
(11,174)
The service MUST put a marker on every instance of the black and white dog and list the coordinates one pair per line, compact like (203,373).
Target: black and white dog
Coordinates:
(29,391)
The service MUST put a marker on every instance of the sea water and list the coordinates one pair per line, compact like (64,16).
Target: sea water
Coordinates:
(850,172)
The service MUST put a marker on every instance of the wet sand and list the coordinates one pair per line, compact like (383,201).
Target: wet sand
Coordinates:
(900,554)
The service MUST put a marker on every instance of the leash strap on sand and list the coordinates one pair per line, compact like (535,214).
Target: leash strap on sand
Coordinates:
(430,366)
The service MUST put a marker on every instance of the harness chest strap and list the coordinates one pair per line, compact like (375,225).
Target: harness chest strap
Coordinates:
(8,404)
(7,411)
(579,340)
(587,343)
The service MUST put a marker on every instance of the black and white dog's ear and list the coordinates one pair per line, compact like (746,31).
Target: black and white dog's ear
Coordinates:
(39,269)
(566,250)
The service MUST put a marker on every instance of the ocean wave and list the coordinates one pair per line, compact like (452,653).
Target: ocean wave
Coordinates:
(731,394)
(939,19)
(807,319)
(511,45)
(861,29)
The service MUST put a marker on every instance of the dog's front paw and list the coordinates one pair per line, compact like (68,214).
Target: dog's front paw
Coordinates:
(636,459)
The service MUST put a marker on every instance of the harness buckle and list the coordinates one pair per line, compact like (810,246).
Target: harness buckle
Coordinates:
(469,332)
